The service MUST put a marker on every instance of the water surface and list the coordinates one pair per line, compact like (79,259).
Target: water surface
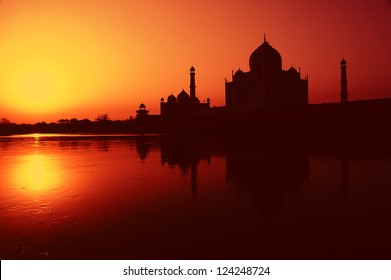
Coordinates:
(170,197)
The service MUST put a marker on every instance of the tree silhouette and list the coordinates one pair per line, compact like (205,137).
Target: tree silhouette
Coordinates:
(102,117)
(63,121)
(4,121)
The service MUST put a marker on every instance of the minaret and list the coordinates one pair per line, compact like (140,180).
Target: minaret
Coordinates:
(192,84)
(344,82)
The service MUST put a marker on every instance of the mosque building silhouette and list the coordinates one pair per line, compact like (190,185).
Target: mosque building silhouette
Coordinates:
(184,104)
(267,97)
(266,85)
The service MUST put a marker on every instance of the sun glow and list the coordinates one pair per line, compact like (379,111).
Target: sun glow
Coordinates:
(37,173)
(65,59)
(36,89)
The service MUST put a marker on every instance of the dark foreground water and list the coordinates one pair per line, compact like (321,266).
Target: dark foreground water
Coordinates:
(160,197)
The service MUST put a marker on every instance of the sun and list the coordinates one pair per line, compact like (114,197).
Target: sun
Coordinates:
(36,88)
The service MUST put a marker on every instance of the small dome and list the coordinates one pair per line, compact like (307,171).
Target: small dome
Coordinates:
(292,70)
(142,106)
(239,72)
(343,61)
(192,69)
(208,100)
(171,99)
(183,96)
(162,99)
(265,57)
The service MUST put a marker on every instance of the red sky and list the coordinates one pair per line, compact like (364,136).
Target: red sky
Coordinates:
(82,58)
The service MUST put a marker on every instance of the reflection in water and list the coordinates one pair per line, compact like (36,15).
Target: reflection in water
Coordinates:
(345,176)
(142,149)
(267,174)
(186,153)
(165,197)
(35,172)
(36,139)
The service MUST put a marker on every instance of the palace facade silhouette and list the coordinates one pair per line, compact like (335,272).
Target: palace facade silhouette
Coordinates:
(268,98)
(184,104)
(266,84)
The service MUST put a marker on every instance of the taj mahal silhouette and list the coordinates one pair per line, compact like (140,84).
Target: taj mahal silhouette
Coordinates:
(267,97)
(265,86)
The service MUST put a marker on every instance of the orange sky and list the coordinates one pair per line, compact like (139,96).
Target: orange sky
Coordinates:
(82,58)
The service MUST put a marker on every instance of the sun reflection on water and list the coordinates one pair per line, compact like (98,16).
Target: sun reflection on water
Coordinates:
(36,138)
(37,172)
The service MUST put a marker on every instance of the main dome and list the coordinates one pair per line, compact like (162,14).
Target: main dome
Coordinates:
(265,57)
(183,96)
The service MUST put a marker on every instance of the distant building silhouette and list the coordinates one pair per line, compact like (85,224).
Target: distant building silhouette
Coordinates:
(184,104)
(267,99)
(344,82)
(266,84)
(142,112)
